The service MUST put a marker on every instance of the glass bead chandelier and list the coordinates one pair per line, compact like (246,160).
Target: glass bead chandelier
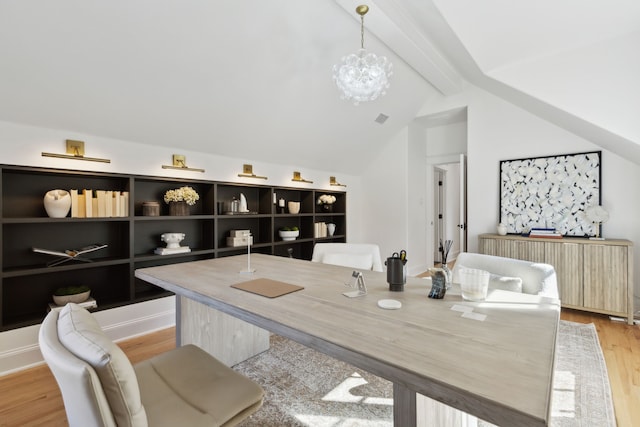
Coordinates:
(362,76)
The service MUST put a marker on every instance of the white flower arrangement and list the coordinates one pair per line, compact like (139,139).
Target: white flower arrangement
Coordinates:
(182,194)
(326,199)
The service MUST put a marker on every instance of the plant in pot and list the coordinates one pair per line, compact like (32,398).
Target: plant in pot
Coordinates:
(76,294)
(326,202)
(180,199)
(289,233)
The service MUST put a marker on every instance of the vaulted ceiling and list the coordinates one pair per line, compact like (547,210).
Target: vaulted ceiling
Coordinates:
(252,78)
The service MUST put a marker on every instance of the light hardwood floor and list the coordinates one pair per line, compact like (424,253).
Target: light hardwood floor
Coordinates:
(32,398)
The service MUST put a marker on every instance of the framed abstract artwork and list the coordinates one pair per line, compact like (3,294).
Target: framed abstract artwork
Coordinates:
(551,192)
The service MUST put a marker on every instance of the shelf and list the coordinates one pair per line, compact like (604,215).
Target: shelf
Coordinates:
(156,257)
(68,266)
(48,220)
(172,217)
(293,242)
(245,216)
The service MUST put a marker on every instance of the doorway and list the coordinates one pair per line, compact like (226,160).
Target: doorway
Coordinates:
(449,203)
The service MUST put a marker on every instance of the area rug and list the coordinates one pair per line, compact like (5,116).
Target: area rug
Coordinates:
(306,388)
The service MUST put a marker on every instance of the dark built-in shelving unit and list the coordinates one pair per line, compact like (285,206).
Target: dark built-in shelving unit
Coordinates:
(26,283)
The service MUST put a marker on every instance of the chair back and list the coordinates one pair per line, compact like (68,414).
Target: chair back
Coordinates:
(84,399)
(537,278)
(364,256)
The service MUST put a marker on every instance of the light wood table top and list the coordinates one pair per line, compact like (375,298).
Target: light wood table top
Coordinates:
(499,369)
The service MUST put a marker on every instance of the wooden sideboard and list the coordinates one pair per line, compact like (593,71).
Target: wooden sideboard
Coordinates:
(593,275)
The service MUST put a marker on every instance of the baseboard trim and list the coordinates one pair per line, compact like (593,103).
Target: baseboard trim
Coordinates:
(19,349)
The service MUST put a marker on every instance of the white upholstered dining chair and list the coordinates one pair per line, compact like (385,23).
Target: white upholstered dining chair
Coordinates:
(182,387)
(364,256)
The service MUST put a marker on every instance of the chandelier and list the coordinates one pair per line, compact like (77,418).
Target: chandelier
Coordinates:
(362,76)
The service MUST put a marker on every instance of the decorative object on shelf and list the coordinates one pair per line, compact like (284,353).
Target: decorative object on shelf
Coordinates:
(281,205)
(298,178)
(239,238)
(596,215)
(397,271)
(326,202)
(234,206)
(550,192)
(247,172)
(179,162)
(288,233)
(173,244)
(57,203)
(75,151)
(332,181)
(294,207)
(331,228)
(178,209)
(502,229)
(69,254)
(242,207)
(438,283)
(179,199)
(362,76)
(150,208)
(238,206)
(75,294)
(444,248)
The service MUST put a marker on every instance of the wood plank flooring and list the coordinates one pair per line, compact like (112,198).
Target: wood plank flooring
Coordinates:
(31,397)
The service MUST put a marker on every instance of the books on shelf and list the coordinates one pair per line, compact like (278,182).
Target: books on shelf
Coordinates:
(99,203)
(172,251)
(320,230)
(549,233)
(89,304)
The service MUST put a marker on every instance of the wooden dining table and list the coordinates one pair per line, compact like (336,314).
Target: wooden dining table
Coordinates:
(492,359)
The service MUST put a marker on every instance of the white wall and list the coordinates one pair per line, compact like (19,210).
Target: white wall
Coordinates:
(385,199)
(498,130)
(23,145)
(417,204)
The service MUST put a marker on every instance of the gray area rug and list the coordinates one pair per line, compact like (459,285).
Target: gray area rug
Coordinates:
(306,388)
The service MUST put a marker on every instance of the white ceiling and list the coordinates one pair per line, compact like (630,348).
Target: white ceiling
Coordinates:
(499,33)
(252,78)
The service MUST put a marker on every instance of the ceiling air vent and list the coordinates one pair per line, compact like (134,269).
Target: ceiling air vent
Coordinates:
(381,118)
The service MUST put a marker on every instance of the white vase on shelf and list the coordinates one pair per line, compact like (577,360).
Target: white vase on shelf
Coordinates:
(331,228)
(57,203)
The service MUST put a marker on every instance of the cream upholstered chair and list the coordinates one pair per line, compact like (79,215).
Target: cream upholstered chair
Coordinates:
(510,274)
(364,256)
(100,387)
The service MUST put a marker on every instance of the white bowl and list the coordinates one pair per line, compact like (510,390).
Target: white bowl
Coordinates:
(75,298)
(289,235)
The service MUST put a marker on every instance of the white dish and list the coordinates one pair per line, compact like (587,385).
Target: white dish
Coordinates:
(389,304)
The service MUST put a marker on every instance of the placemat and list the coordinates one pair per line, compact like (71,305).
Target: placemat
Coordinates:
(267,287)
